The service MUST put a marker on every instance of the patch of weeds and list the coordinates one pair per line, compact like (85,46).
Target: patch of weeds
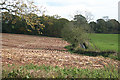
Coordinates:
(94,53)
(43,71)
(70,48)
(13,64)
(9,65)
(112,56)
(19,72)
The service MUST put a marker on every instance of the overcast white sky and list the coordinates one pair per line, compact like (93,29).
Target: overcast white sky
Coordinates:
(67,8)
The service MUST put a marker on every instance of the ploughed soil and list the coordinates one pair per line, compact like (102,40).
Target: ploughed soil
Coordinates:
(22,49)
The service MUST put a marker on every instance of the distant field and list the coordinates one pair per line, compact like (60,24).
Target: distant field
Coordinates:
(105,41)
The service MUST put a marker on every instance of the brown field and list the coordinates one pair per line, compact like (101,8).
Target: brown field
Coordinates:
(22,49)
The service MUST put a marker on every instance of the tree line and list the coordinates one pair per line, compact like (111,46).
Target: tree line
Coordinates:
(110,26)
(19,17)
(52,25)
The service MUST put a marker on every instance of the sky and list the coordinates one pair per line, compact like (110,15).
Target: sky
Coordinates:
(68,8)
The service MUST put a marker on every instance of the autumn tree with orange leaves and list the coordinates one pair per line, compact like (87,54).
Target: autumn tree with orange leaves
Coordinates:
(25,9)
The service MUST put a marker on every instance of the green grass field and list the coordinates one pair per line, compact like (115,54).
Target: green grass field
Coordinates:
(105,41)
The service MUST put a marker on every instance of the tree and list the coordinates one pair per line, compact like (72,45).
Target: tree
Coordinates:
(88,15)
(93,26)
(76,32)
(105,26)
(25,9)
(48,21)
(13,25)
(7,27)
(101,26)
(81,20)
(53,25)
(106,18)
(58,26)
(112,26)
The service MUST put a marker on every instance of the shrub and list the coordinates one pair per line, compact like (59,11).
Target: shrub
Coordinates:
(76,35)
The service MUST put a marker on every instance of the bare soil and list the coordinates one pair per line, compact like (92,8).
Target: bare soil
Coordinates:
(22,49)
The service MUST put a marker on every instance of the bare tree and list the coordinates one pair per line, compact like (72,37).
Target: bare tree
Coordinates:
(88,15)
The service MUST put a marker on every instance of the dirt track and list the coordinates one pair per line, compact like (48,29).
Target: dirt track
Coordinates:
(24,49)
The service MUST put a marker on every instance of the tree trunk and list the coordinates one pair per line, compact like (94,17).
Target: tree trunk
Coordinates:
(83,45)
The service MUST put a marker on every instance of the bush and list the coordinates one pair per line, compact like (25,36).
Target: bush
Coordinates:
(75,35)
(76,32)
